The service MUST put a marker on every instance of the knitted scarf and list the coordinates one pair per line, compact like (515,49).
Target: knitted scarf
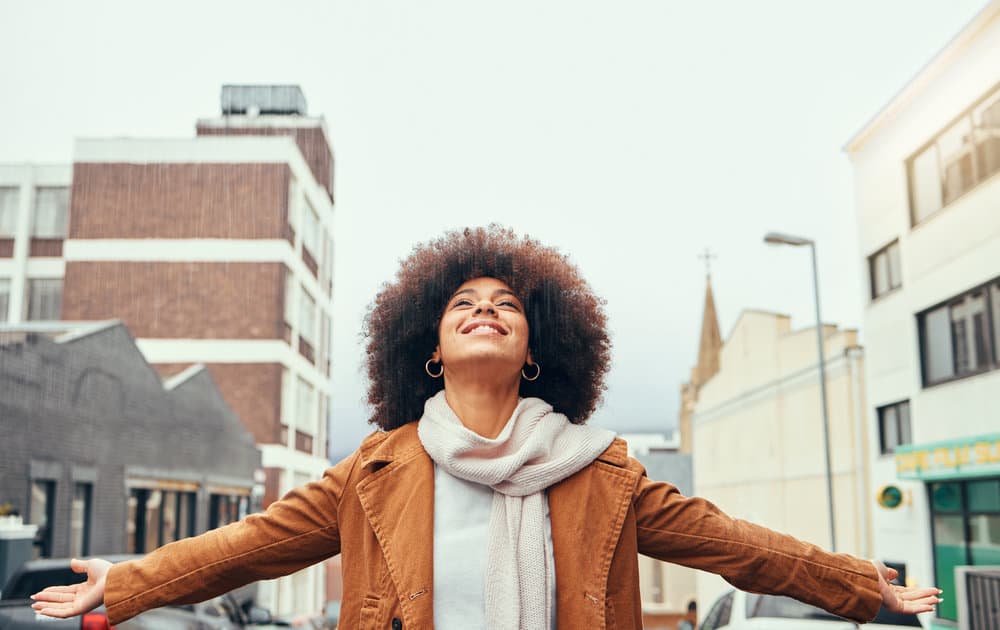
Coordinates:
(535,449)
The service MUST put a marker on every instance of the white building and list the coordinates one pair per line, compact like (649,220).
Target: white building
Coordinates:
(928,208)
(758,438)
(34,203)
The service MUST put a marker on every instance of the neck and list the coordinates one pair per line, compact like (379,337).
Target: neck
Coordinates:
(482,407)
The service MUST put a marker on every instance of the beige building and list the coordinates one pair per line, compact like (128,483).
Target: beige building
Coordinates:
(758,434)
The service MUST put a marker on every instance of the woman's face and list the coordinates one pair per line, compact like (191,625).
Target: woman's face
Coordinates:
(483,328)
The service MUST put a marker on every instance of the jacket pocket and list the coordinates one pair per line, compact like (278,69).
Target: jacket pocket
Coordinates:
(369,614)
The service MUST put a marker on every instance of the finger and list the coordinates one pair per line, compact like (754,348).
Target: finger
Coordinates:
(54,596)
(918,593)
(55,610)
(78,566)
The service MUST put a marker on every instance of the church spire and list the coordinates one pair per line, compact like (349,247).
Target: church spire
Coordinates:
(711,340)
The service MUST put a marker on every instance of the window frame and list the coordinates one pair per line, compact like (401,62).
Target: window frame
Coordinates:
(12,211)
(881,415)
(86,516)
(991,321)
(63,229)
(30,301)
(44,538)
(894,283)
(6,286)
(979,174)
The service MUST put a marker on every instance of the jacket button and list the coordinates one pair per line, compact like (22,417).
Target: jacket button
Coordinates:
(397,624)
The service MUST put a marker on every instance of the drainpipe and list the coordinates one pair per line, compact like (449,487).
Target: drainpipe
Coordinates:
(854,355)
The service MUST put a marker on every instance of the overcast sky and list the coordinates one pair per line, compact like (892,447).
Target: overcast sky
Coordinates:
(629,134)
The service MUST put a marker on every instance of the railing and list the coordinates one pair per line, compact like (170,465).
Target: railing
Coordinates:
(982,590)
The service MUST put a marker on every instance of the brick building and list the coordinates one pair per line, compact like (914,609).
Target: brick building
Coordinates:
(105,456)
(214,250)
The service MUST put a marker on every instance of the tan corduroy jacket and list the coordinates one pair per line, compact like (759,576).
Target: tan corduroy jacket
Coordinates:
(376,509)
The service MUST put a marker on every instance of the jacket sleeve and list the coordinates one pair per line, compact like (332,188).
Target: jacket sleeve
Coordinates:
(293,533)
(693,532)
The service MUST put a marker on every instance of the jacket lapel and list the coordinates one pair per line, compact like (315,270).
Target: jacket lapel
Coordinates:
(588,510)
(398,499)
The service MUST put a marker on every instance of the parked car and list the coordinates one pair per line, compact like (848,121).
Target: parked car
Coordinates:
(226,612)
(739,610)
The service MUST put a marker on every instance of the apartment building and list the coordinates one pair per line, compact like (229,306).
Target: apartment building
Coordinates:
(34,206)
(927,193)
(213,250)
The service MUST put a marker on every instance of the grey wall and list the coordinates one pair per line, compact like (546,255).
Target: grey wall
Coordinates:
(92,409)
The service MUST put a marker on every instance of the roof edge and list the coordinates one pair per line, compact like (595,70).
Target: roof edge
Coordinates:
(930,70)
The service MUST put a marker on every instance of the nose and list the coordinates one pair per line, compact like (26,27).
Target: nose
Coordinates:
(486,307)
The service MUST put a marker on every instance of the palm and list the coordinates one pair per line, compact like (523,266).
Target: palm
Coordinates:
(904,599)
(76,599)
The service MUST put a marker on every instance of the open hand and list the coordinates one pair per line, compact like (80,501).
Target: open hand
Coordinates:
(69,601)
(904,599)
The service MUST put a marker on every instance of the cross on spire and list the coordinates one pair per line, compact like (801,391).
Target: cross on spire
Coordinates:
(707,256)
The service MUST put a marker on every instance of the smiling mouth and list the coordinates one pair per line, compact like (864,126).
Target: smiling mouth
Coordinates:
(483,328)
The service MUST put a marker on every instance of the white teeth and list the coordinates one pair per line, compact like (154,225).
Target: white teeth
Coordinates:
(483,329)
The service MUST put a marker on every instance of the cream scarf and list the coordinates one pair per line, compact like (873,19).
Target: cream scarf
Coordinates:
(537,448)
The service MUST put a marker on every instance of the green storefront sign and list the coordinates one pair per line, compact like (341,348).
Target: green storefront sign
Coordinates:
(962,458)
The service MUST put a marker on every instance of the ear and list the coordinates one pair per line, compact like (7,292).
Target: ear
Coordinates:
(436,355)
(528,358)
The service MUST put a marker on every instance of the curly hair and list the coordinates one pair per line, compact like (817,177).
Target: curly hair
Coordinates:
(566,322)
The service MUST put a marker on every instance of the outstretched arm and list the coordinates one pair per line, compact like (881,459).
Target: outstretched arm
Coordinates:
(693,532)
(295,532)
(69,601)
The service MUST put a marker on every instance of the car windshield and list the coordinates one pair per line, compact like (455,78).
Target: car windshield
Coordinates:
(783,608)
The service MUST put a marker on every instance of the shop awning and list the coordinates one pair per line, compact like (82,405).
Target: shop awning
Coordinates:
(960,458)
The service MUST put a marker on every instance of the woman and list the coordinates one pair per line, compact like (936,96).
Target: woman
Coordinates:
(499,508)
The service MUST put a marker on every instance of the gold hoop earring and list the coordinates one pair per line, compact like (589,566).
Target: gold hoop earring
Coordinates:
(427,368)
(538,372)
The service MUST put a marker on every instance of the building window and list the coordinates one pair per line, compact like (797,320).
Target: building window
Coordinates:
(884,270)
(965,526)
(225,509)
(894,426)
(79,521)
(44,299)
(9,201)
(305,407)
(41,512)
(51,211)
(307,317)
(157,517)
(294,201)
(957,159)
(4,299)
(960,338)
(311,234)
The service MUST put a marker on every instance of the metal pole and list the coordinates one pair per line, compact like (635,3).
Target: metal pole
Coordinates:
(822,394)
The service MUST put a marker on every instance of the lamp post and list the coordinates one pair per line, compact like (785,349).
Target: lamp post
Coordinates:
(776,238)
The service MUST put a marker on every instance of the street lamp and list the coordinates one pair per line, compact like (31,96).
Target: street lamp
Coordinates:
(776,238)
